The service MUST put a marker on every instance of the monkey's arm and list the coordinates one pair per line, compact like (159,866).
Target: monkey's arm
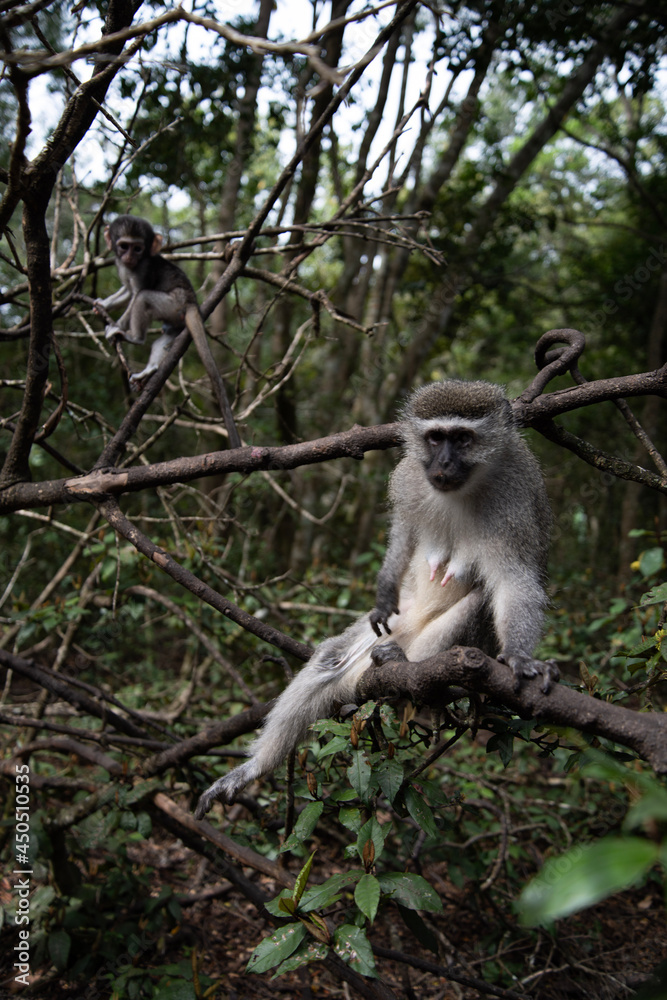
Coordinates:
(119,298)
(396,561)
(518,613)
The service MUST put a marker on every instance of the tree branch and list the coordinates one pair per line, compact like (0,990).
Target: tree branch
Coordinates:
(105,482)
(112,512)
(427,683)
(530,409)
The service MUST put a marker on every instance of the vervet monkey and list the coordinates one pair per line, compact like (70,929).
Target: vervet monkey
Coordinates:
(465,565)
(156,289)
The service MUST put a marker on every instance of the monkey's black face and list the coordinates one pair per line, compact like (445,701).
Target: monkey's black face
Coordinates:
(130,252)
(450,461)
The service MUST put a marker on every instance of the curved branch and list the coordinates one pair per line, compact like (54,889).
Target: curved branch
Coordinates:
(427,683)
(530,407)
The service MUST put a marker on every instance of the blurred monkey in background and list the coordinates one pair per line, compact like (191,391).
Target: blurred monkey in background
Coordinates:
(156,289)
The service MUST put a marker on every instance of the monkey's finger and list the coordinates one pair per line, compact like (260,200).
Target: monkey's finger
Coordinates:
(551,675)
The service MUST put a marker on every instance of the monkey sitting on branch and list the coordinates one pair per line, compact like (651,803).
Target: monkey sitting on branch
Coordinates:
(156,289)
(465,565)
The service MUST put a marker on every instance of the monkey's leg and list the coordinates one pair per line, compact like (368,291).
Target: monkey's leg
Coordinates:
(160,347)
(458,625)
(144,308)
(328,680)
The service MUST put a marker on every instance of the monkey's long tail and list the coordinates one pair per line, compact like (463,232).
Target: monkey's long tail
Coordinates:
(328,681)
(195,325)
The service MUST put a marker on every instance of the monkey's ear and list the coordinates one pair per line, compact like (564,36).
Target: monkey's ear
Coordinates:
(107,237)
(156,244)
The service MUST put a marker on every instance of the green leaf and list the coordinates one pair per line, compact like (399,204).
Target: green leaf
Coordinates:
(647,644)
(304,825)
(275,949)
(651,807)
(144,824)
(319,896)
(390,776)
(343,795)
(307,820)
(421,812)
(583,876)
(414,923)
(412,891)
(651,561)
(350,817)
(656,595)
(275,907)
(367,896)
(359,774)
(304,874)
(338,744)
(59,946)
(504,744)
(308,951)
(352,945)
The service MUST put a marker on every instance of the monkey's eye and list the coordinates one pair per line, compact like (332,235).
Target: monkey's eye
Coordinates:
(125,245)
(435,436)
(464,438)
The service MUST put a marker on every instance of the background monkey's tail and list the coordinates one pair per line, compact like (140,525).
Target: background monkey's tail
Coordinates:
(195,325)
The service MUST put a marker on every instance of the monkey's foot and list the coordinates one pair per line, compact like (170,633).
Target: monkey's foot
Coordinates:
(226,789)
(524,667)
(111,331)
(387,652)
(139,379)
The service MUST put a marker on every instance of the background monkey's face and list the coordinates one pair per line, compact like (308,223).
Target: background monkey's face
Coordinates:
(449,456)
(132,241)
(130,251)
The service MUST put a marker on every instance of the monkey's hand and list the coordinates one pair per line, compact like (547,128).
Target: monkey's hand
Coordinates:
(225,789)
(386,607)
(378,619)
(112,330)
(524,667)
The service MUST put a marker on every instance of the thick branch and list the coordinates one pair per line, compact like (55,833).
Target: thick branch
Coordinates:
(529,412)
(564,400)
(348,444)
(427,683)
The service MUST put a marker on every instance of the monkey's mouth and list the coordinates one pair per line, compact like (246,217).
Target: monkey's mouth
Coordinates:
(446,483)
